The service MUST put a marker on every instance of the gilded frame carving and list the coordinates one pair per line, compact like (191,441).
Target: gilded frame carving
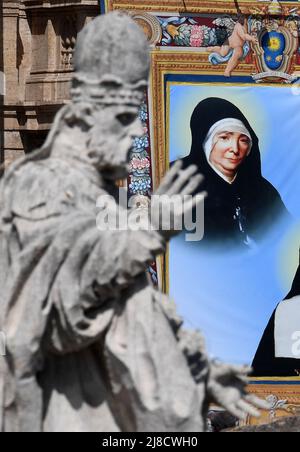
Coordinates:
(164,64)
(170,61)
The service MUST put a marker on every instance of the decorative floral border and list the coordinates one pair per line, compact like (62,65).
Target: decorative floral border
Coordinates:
(140,182)
(189,62)
(140,177)
(183,54)
(197,6)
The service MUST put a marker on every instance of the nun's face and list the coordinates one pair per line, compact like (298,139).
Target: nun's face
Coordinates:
(230,149)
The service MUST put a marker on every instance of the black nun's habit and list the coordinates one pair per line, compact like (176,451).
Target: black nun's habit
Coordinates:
(240,212)
(266,363)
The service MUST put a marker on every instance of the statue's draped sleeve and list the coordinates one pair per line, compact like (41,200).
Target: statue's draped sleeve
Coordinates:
(63,281)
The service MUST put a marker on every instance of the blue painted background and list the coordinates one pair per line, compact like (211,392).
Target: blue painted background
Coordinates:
(231,297)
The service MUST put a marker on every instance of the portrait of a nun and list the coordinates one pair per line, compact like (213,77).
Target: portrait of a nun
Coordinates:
(278,354)
(241,204)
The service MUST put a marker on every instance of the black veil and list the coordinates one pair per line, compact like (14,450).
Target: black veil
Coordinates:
(259,202)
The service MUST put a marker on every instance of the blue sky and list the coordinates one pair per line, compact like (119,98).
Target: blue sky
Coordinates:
(231,297)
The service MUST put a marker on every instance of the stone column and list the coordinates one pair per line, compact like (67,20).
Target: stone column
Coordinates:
(10,18)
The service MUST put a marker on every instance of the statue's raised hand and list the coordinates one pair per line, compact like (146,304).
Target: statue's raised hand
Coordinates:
(174,199)
(227,387)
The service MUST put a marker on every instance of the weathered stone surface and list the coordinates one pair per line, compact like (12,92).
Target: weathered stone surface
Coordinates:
(91,345)
(284,425)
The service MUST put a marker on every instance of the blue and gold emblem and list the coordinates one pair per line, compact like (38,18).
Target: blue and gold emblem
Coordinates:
(273,44)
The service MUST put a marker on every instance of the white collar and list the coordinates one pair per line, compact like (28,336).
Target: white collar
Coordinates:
(229,181)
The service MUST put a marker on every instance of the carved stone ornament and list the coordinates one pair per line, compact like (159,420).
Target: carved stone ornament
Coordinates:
(150,25)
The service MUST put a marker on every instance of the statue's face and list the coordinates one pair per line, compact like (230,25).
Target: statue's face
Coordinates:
(111,139)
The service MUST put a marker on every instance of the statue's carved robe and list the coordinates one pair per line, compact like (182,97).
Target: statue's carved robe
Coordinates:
(89,345)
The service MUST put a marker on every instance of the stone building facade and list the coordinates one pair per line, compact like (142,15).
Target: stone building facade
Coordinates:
(38,38)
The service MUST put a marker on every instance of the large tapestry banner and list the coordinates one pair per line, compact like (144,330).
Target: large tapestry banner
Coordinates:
(224,95)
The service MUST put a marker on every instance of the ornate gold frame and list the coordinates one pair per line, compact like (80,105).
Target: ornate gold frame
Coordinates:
(168,62)
(285,396)
(190,6)
(181,61)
